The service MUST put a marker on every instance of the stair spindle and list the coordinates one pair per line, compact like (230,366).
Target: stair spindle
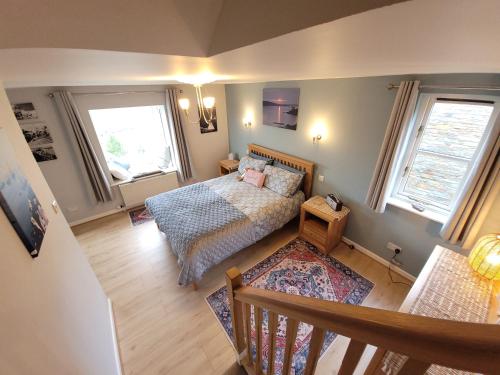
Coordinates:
(314,350)
(272,325)
(291,336)
(258,339)
(351,357)
(248,326)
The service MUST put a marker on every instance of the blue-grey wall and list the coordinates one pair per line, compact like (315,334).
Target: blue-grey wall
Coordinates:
(354,113)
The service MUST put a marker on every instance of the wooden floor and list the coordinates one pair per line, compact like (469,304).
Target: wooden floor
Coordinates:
(166,329)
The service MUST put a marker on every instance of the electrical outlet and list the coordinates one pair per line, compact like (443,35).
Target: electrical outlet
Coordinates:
(396,249)
(321,178)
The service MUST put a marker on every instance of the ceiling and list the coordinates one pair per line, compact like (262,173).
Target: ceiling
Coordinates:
(170,27)
(419,36)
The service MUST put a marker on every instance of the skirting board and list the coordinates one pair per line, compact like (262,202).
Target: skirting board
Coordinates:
(95,217)
(379,259)
(118,361)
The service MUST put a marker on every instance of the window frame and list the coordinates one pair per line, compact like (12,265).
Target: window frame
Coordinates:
(426,101)
(166,133)
(108,100)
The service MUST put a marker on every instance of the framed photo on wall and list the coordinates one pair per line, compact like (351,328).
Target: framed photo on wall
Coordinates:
(44,153)
(24,111)
(19,202)
(211,126)
(36,134)
(280,107)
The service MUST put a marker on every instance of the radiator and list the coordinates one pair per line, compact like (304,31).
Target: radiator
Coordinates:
(134,193)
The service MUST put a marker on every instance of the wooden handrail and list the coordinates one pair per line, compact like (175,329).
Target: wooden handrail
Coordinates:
(460,345)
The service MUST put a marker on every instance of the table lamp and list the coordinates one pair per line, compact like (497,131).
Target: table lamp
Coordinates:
(485,256)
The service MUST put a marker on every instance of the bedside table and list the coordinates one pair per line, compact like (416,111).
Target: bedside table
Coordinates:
(321,225)
(228,166)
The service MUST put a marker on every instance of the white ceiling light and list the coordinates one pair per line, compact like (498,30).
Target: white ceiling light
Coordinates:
(197,79)
(205,104)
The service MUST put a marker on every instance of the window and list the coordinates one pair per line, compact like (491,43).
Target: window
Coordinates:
(134,138)
(442,147)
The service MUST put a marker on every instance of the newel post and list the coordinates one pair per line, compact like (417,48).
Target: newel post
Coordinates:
(233,282)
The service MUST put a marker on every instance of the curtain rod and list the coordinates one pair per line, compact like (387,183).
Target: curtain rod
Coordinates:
(392,86)
(51,95)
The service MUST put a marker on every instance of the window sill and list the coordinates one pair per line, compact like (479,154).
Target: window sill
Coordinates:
(120,182)
(135,179)
(434,216)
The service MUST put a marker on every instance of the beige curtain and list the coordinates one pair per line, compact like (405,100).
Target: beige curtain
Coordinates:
(390,154)
(181,154)
(476,199)
(71,117)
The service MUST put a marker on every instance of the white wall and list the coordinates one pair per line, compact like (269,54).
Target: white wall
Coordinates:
(207,149)
(53,312)
(65,176)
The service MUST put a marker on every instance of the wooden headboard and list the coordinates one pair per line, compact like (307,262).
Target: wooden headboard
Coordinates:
(292,161)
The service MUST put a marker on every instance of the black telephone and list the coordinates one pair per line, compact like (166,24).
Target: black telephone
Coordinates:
(334,201)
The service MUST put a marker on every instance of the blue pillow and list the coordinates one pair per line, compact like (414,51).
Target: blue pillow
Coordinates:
(268,161)
(288,168)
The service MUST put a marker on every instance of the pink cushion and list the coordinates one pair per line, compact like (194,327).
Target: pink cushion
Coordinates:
(255,178)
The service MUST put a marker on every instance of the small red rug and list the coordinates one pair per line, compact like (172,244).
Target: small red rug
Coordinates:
(300,269)
(139,215)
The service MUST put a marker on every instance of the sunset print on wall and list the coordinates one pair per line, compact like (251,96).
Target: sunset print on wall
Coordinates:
(280,107)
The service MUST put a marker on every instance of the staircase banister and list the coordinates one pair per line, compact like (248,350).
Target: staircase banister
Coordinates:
(466,346)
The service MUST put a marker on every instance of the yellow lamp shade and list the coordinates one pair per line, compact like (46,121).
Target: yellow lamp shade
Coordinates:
(485,256)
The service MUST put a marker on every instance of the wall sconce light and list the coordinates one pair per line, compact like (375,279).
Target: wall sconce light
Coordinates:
(205,104)
(184,104)
(247,119)
(318,131)
(205,107)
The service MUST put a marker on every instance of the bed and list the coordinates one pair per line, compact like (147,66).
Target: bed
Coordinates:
(208,222)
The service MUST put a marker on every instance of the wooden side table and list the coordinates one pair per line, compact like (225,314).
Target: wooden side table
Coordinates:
(446,288)
(321,225)
(228,166)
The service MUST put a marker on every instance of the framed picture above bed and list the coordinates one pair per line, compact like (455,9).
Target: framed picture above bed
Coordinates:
(19,202)
(280,107)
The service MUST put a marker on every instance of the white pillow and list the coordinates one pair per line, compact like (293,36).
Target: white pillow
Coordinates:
(248,162)
(119,172)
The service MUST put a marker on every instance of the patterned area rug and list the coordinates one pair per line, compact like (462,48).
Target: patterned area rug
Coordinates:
(139,216)
(297,268)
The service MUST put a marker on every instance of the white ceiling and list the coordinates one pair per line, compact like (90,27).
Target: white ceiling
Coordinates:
(198,28)
(243,22)
(420,36)
(181,27)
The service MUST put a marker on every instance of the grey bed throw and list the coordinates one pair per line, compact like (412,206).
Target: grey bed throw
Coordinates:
(191,212)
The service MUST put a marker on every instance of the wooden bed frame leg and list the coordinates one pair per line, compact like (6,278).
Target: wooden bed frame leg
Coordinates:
(195,286)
